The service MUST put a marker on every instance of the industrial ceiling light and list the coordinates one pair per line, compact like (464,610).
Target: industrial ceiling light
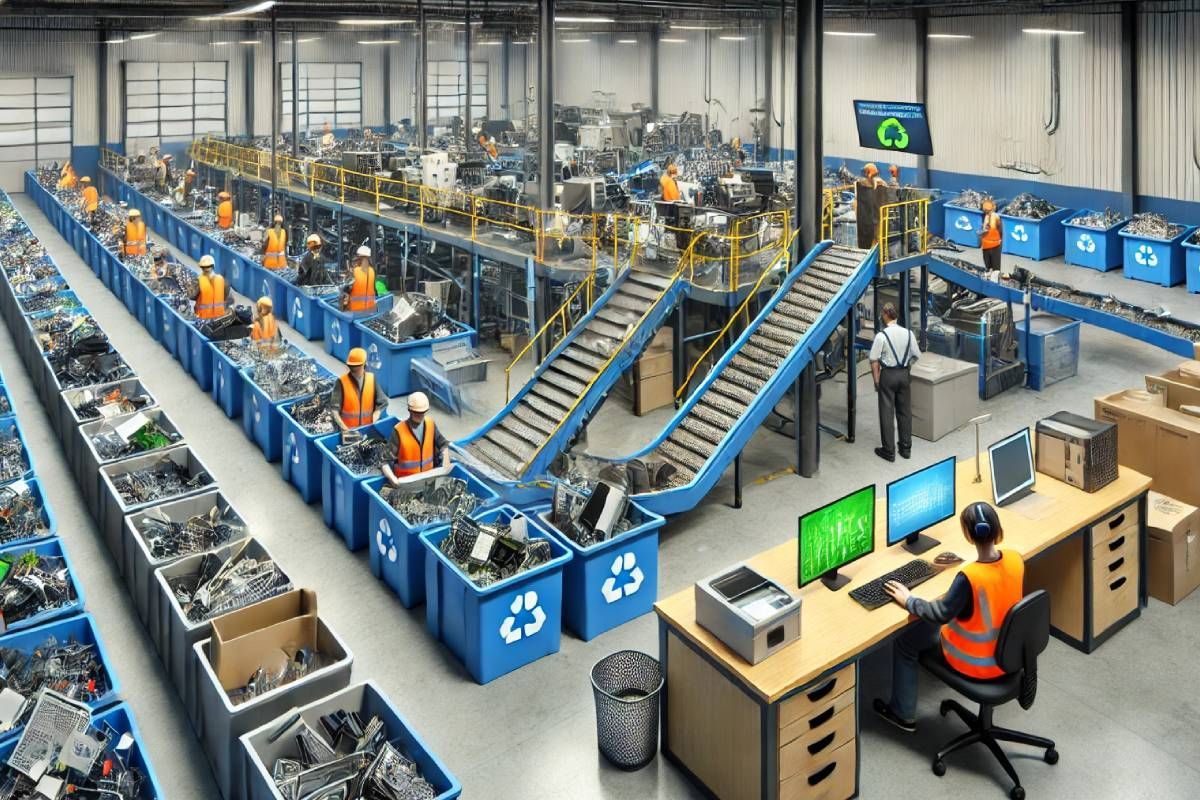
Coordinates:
(379,41)
(627,41)
(134,37)
(490,43)
(1051,32)
(951,36)
(115,41)
(584,19)
(523,42)
(575,41)
(732,38)
(248,41)
(367,23)
(857,34)
(219,44)
(695,27)
(247,11)
(673,41)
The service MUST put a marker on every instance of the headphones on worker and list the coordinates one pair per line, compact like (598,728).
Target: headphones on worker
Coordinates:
(981,530)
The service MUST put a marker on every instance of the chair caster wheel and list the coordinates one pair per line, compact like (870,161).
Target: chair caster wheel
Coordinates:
(939,768)
(944,708)
(1017,793)
(1051,756)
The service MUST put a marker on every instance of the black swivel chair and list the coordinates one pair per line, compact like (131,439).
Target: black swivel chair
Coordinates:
(1023,636)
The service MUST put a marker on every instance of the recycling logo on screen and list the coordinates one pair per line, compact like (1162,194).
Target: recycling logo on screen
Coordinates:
(891,133)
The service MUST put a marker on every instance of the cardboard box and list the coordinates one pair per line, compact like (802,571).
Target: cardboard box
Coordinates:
(655,392)
(652,364)
(1173,566)
(662,340)
(513,342)
(1177,387)
(241,638)
(1156,441)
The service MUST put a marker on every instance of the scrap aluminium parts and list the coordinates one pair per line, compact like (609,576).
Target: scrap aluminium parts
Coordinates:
(166,538)
(165,479)
(13,461)
(437,499)
(73,669)
(224,585)
(969,198)
(287,665)
(247,352)
(1153,226)
(22,516)
(365,455)
(315,414)
(1029,206)
(86,369)
(1098,220)
(110,445)
(35,583)
(488,552)
(285,378)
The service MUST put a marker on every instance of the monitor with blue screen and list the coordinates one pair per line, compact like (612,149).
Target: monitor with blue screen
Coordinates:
(919,501)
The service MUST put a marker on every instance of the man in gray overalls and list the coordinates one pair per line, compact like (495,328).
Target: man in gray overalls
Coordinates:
(892,354)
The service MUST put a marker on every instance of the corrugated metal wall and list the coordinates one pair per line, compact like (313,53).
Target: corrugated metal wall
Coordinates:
(329,48)
(586,71)
(56,54)
(1168,85)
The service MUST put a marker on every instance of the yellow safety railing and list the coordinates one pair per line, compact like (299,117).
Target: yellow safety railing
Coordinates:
(561,316)
(828,203)
(903,230)
(741,310)
(112,161)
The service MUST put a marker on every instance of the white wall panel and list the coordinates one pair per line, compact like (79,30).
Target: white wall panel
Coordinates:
(1168,86)
(588,73)
(58,53)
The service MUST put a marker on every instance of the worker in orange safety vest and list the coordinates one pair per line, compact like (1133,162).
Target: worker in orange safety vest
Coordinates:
(359,293)
(213,294)
(66,177)
(354,398)
(416,441)
(670,185)
(224,211)
(265,328)
(134,237)
(89,195)
(275,246)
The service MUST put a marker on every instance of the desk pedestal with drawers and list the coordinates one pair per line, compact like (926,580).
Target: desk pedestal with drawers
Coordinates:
(787,728)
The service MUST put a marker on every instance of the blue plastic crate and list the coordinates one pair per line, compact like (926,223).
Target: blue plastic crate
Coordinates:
(1091,248)
(198,244)
(300,459)
(6,402)
(226,383)
(150,314)
(169,329)
(305,313)
(268,284)
(613,582)
(1037,239)
(47,548)
(505,626)
(397,557)
(260,417)
(963,224)
(343,497)
(392,363)
(9,427)
(1191,253)
(131,292)
(1052,351)
(201,364)
(48,521)
(81,629)
(239,270)
(116,268)
(1154,260)
(341,334)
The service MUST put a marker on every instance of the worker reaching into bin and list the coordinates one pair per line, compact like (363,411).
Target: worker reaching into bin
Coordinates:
(133,238)
(358,294)
(416,441)
(354,398)
(90,195)
(66,177)
(275,245)
(224,210)
(213,295)
(265,328)
(312,268)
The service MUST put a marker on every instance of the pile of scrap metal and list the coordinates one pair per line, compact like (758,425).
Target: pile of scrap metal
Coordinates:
(1029,206)
(414,316)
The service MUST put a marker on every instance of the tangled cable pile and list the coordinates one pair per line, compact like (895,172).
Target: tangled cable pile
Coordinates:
(491,552)
(365,455)
(1029,206)
(1153,226)
(165,479)
(13,460)
(22,516)
(436,499)
(970,199)
(72,669)
(315,414)
(166,538)
(35,583)
(284,378)
(224,584)
(1098,220)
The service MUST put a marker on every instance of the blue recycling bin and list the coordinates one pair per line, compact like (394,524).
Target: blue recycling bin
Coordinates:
(226,383)
(10,427)
(200,362)
(609,583)
(397,557)
(48,548)
(268,284)
(1050,349)
(260,418)
(116,268)
(343,496)
(964,224)
(341,334)
(505,626)
(168,332)
(80,629)
(305,313)
(151,316)
(1154,260)
(128,292)
(392,362)
(1191,253)
(50,525)
(1037,239)
(300,459)
(1090,247)
(197,244)
(239,270)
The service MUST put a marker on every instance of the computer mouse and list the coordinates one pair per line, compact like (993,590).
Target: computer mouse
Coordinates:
(947,559)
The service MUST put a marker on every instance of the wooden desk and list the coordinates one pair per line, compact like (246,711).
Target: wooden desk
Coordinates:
(788,726)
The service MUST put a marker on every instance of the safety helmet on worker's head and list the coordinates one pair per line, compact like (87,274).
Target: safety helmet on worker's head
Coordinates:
(159,255)
(870,170)
(363,252)
(988,205)
(168,157)
(313,239)
(133,212)
(279,219)
(266,302)
(672,169)
(206,262)
(356,358)
(894,171)
(418,402)
(223,196)
(85,179)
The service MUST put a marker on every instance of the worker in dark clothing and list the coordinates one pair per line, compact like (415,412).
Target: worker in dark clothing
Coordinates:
(892,355)
(870,195)
(312,268)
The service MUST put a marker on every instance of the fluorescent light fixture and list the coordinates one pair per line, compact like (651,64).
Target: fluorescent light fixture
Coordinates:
(1051,32)
(248,41)
(219,44)
(303,41)
(951,36)
(732,38)
(115,41)
(695,27)
(523,42)
(673,41)
(133,37)
(490,43)
(567,27)
(584,19)
(257,8)
(379,41)
(627,41)
(857,34)
(575,41)
(367,23)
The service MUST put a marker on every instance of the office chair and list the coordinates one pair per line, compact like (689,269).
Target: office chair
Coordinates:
(1024,634)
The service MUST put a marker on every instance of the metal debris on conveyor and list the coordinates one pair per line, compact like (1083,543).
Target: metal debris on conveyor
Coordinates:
(110,444)
(22,516)
(437,499)
(346,751)
(13,461)
(1153,226)
(571,515)
(1194,238)
(315,414)
(288,377)
(1029,206)
(35,583)
(491,552)
(166,538)
(281,667)
(412,316)
(71,668)
(224,584)
(164,480)
(319,290)
(362,455)
(970,198)
(250,353)
(1098,220)
(48,300)
(113,401)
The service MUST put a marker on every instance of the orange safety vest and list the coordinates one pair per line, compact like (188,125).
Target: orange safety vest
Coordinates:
(362,291)
(970,645)
(264,328)
(413,456)
(358,410)
(670,189)
(991,236)
(67,179)
(225,214)
(210,303)
(135,238)
(91,199)
(274,257)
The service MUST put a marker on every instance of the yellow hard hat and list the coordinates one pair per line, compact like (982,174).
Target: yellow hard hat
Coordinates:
(223,196)
(357,357)
(133,212)
(418,402)
(206,262)
(672,169)
(266,302)
(85,179)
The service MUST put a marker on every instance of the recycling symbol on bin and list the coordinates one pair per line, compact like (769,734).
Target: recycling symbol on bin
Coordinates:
(257,412)
(963,223)
(235,269)
(1146,256)
(266,288)
(1020,234)
(335,332)
(625,580)
(294,447)
(1086,243)
(374,360)
(297,310)
(523,606)
(384,541)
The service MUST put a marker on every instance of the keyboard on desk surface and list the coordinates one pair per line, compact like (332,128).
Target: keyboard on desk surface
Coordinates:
(871,595)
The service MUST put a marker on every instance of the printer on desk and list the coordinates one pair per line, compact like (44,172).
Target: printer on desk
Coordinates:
(752,615)
(1077,450)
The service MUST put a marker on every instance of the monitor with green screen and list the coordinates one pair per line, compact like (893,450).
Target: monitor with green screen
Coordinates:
(835,534)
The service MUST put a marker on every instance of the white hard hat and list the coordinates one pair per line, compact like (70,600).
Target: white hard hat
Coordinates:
(364,252)
(207,261)
(133,212)
(313,239)
(417,401)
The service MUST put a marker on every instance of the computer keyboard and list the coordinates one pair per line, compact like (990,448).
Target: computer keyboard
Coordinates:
(871,595)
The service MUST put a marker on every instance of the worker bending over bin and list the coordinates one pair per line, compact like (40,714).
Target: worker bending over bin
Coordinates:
(312,268)
(415,441)
(134,236)
(354,398)
(224,211)
(275,246)
(90,196)
(264,328)
(358,294)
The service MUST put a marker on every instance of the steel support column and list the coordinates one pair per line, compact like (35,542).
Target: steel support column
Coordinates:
(248,81)
(467,139)
(296,94)
(422,115)
(102,90)
(546,104)
(654,33)
(767,36)
(1129,108)
(921,33)
(924,293)
(275,105)
(808,120)
(387,90)
(505,70)
(808,418)
(851,375)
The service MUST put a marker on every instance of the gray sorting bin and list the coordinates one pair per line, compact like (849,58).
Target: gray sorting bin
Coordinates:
(221,724)
(945,395)
(90,461)
(174,634)
(113,509)
(140,565)
(67,422)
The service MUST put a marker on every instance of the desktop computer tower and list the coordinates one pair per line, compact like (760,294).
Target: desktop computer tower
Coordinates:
(1077,450)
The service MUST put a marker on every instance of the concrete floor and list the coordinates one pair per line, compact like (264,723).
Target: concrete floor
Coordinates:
(1126,718)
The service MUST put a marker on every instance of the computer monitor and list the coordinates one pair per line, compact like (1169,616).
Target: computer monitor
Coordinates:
(834,535)
(919,501)
(1011,464)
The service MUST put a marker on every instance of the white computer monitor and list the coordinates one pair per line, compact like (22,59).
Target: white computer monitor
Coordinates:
(1011,463)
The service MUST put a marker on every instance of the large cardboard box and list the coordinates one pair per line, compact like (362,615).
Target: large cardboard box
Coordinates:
(241,638)
(652,393)
(652,364)
(1179,386)
(1173,566)
(1156,441)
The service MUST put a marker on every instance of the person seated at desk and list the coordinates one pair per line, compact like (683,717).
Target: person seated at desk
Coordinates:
(965,621)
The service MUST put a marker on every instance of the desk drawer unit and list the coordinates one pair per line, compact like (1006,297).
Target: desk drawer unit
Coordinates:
(1114,591)
(832,778)
(817,740)
(1124,523)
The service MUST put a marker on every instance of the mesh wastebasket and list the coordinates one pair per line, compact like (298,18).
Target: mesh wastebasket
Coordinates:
(626,686)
